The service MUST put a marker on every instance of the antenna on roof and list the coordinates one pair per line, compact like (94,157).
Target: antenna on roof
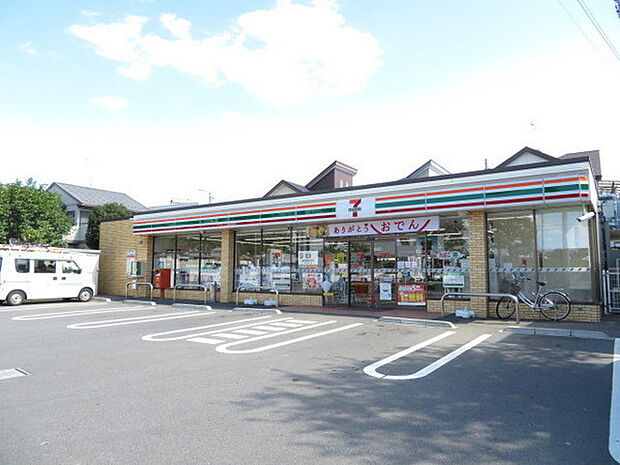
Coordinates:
(486,164)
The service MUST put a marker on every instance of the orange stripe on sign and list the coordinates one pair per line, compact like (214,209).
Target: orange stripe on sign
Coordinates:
(553,181)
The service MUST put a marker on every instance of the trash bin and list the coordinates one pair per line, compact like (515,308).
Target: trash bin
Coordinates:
(211,292)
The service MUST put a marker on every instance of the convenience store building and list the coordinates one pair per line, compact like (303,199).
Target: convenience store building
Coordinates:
(398,244)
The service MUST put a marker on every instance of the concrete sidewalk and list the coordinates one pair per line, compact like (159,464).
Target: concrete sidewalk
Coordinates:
(610,324)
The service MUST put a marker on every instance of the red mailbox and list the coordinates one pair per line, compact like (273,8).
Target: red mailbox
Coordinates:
(162,278)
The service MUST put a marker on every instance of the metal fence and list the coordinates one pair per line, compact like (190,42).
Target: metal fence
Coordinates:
(612,290)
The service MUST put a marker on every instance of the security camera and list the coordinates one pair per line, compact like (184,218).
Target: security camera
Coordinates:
(586,217)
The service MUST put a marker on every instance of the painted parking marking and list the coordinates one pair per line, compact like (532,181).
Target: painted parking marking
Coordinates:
(614,413)
(35,307)
(226,348)
(251,332)
(371,369)
(137,320)
(72,313)
(206,340)
(196,331)
(270,328)
(231,336)
(286,324)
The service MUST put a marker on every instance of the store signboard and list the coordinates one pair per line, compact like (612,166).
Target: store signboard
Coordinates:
(312,281)
(367,228)
(360,207)
(385,291)
(411,294)
(308,258)
(454,279)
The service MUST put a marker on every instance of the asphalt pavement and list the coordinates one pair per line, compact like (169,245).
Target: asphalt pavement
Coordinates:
(111,383)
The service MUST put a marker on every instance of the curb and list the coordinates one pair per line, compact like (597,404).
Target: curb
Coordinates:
(257,310)
(193,306)
(417,322)
(102,299)
(139,302)
(580,333)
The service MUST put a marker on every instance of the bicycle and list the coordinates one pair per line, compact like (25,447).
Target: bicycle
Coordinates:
(554,304)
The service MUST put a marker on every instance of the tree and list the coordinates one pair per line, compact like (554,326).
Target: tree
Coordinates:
(109,210)
(30,214)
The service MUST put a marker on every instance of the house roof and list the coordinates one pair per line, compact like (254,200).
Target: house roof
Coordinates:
(336,165)
(503,169)
(91,197)
(294,186)
(426,167)
(510,161)
(593,155)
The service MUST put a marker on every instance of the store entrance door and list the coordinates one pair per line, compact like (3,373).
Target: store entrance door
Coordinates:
(384,273)
(361,274)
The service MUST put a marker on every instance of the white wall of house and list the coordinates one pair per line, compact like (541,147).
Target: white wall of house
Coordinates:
(77,234)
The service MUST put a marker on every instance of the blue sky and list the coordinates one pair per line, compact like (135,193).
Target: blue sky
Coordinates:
(390,85)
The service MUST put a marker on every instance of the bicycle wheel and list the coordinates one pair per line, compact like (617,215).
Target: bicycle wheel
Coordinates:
(555,305)
(505,308)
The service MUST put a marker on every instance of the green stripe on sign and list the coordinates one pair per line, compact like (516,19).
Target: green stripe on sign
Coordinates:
(400,203)
(457,198)
(314,212)
(570,187)
(491,195)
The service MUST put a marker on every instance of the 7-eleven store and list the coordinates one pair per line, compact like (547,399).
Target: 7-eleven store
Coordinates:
(398,244)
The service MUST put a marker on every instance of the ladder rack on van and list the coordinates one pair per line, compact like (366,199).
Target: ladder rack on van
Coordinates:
(42,248)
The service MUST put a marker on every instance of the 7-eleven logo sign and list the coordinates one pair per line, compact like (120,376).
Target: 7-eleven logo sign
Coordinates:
(361,207)
(354,207)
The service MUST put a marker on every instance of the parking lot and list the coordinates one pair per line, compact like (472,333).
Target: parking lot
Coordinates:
(115,383)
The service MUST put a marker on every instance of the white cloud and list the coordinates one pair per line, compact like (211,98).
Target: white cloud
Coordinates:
(28,48)
(89,13)
(287,55)
(570,95)
(110,103)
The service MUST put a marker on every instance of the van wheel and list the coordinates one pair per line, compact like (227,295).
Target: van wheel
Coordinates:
(15,298)
(85,295)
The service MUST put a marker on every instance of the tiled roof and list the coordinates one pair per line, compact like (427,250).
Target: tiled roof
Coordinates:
(90,197)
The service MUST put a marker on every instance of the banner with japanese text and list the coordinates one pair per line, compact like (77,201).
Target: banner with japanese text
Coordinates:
(406,225)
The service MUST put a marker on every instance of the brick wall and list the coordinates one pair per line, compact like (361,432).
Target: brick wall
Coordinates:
(228,266)
(115,239)
(478,261)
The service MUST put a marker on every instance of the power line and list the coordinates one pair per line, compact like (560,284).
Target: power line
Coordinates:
(572,18)
(598,28)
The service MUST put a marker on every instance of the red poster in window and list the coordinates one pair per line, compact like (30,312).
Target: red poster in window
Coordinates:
(411,294)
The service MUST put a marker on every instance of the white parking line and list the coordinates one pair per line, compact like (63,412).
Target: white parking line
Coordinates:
(225,348)
(48,316)
(372,369)
(35,307)
(206,340)
(156,337)
(137,320)
(614,413)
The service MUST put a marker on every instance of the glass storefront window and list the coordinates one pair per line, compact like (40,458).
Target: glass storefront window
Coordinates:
(276,259)
(512,245)
(211,259)
(551,246)
(564,252)
(188,260)
(248,246)
(306,262)
(163,255)
(336,272)
(447,252)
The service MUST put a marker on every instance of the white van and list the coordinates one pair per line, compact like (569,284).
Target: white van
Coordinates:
(32,273)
